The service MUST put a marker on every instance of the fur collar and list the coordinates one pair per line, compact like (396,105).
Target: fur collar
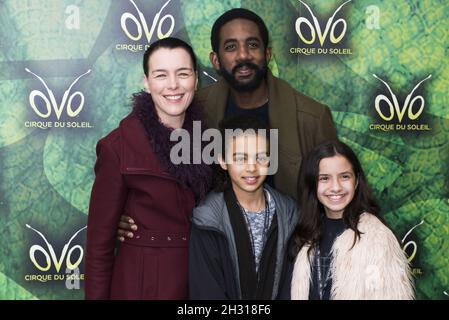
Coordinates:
(196,177)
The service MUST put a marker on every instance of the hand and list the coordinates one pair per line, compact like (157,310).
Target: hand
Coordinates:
(125,225)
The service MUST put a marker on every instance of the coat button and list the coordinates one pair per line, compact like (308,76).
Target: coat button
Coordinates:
(184,238)
(168,238)
(152,238)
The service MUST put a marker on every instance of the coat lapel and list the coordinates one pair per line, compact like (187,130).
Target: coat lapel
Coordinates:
(136,153)
(282,114)
(218,97)
(301,275)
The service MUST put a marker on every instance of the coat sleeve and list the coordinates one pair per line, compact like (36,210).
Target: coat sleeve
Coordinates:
(375,268)
(207,266)
(388,273)
(327,130)
(285,284)
(106,205)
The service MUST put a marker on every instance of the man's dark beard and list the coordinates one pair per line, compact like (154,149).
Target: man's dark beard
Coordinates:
(259,76)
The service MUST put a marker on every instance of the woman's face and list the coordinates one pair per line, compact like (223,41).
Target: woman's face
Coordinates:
(336,185)
(171,81)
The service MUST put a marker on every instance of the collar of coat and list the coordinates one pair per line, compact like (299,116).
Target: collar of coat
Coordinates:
(212,214)
(375,268)
(196,177)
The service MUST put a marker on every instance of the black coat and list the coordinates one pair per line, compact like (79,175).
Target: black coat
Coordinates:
(214,266)
(212,272)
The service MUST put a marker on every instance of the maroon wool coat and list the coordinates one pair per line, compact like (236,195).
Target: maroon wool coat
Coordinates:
(129,180)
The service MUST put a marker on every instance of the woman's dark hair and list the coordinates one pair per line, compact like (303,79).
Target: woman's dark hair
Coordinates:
(242,122)
(308,230)
(168,43)
(237,13)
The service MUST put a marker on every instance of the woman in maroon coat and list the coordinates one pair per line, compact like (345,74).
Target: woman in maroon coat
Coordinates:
(134,174)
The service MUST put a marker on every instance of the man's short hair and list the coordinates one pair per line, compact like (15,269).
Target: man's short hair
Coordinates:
(237,13)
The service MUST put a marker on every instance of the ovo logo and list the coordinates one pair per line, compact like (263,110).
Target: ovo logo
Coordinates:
(51,253)
(394,107)
(50,100)
(411,243)
(315,29)
(143,24)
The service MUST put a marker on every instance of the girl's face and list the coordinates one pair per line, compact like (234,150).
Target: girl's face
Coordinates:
(247,162)
(171,81)
(336,185)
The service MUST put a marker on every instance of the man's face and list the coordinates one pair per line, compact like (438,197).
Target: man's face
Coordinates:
(241,58)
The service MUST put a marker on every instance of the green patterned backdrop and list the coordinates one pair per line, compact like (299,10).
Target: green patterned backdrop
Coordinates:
(46,173)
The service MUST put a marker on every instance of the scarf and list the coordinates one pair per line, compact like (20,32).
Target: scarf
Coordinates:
(252,287)
(196,177)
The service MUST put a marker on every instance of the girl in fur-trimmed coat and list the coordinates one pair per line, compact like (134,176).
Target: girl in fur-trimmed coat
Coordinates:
(344,249)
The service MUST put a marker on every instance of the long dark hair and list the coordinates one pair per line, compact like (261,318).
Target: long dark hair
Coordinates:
(308,230)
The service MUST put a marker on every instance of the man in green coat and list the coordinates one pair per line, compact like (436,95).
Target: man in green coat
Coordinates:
(241,54)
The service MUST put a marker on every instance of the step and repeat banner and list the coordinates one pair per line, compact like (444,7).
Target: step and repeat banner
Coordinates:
(69,67)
